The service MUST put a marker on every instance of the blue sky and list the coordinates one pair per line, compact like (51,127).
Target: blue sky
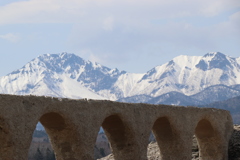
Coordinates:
(131,35)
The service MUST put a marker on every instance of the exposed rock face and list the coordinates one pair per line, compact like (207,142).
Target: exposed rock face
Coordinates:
(195,149)
(234,144)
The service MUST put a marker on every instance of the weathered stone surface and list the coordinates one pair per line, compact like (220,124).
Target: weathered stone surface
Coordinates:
(153,151)
(73,125)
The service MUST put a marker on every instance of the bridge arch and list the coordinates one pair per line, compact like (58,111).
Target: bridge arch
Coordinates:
(120,136)
(166,136)
(163,130)
(53,121)
(63,135)
(210,141)
(115,130)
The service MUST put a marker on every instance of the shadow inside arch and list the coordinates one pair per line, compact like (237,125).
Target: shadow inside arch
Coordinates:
(204,130)
(207,139)
(164,135)
(53,122)
(162,130)
(119,135)
(164,140)
(59,134)
(115,131)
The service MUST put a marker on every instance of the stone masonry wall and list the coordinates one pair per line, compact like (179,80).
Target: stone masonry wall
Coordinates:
(73,125)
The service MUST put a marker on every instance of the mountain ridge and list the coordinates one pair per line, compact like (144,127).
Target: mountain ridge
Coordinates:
(68,75)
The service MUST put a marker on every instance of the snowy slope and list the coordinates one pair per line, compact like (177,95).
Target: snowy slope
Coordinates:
(189,75)
(238,60)
(61,75)
(125,84)
(67,75)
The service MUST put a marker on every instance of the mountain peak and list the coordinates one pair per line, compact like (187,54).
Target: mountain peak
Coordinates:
(215,60)
(63,55)
(59,62)
(214,54)
(68,75)
(63,74)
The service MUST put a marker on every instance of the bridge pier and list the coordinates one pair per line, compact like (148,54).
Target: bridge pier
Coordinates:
(173,143)
(11,148)
(212,149)
(15,138)
(213,142)
(124,139)
(64,136)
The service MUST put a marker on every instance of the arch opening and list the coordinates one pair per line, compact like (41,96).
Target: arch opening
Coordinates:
(120,136)
(164,136)
(41,145)
(57,140)
(172,143)
(162,130)
(102,145)
(195,148)
(167,139)
(115,131)
(153,150)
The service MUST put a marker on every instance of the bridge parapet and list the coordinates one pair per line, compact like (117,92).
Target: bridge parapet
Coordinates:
(73,125)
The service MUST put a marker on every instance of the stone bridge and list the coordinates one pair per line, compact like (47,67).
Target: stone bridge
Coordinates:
(73,125)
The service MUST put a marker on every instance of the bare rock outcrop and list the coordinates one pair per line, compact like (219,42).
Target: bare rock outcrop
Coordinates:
(234,144)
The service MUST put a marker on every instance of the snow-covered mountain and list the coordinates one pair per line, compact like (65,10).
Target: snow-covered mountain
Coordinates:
(189,75)
(185,77)
(60,75)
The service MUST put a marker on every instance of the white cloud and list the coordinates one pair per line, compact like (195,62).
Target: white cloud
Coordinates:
(95,58)
(126,11)
(235,19)
(39,11)
(10,37)
(228,29)
(108,23)
(139,38)
(110,30)
(214,7)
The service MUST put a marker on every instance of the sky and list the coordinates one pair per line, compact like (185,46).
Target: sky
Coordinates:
(131,35)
